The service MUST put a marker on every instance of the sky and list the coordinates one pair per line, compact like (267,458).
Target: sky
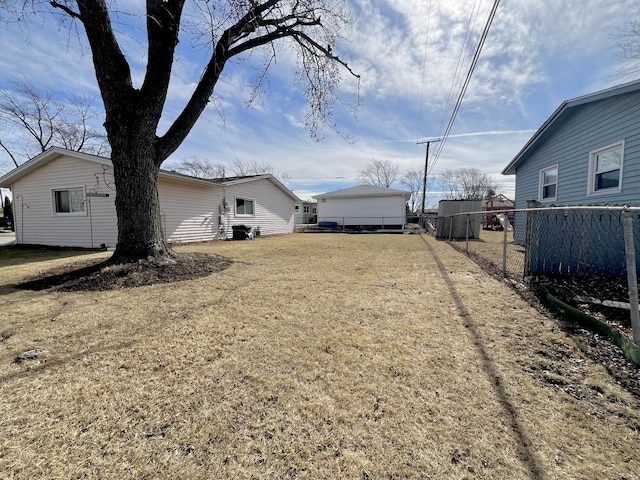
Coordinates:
(537,54)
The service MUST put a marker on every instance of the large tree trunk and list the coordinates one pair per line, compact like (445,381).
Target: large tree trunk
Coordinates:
(140,229)
(133,114)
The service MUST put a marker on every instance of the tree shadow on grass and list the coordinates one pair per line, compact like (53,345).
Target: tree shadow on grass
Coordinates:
(525,452)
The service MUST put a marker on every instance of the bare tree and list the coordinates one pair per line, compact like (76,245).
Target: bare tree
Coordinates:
(243,168)
(230,28)
(628,43)
(381,173)
(201,168)
(204,168)
(466,184)
(413,180)
(33,120)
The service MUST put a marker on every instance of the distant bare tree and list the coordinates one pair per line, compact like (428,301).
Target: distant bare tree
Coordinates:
(381,173)
(628,43)
(241,168)
(201,168)
(413,180)
(205,168)
(33,120)
(466,184)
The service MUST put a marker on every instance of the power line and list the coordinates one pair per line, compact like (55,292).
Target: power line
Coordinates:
(472,67)
(424,65)
(473,17)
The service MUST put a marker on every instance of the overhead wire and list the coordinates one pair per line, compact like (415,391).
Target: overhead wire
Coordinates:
(463,47)
(424,68)
(472,67)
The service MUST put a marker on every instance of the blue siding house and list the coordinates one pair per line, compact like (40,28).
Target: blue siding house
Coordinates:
(586,153)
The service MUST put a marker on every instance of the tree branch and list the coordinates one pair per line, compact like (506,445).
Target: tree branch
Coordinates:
(240,38)
(112,69)
(65,9)
(163,24)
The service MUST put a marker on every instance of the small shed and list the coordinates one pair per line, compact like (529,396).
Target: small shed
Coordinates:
(452,224)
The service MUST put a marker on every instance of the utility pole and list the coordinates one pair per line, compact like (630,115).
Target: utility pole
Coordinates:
(426,164)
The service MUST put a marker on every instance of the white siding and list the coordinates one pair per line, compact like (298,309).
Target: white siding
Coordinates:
(274,209)
(36,221)
(362,210)
(190,212)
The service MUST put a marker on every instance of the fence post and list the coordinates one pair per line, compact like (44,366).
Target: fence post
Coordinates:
(466,234)
(529,231)
(504,243)
(632,276)
(450,226)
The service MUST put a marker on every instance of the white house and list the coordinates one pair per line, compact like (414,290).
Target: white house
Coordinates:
(364,207)
(66,198)
(306,212)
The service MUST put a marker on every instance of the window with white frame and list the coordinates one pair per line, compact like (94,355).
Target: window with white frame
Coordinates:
(68,201)
(548,189)
(306,209)
(605,169)
(244,206)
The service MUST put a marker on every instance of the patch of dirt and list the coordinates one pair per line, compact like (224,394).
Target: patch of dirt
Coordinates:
(98,275)
(596,346)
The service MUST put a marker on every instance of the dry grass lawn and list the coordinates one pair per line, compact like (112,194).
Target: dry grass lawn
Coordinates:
(313,356)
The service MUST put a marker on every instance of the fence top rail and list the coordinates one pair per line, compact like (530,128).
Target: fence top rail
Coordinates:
(610,208)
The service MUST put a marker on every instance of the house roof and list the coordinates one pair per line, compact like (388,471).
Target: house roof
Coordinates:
(561,114)
(363,191)
(44,158)
(500,198)
(251,178)
(56,152)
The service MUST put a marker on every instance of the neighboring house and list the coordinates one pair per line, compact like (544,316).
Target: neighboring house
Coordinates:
(66,198)
(492,221)
(499,202)
(306,212)
(586,153)
(364,207)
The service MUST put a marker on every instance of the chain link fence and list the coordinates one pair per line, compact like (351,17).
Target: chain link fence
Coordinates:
(489,242)
(585,256)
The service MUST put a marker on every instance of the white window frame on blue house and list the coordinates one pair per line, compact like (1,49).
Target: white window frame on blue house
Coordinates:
(543,184)
(241,204)
(597,171)
(74,204)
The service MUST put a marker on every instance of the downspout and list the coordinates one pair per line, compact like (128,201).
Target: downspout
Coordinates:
(224,214)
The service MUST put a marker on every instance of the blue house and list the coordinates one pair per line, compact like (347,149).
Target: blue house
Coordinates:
(586,153)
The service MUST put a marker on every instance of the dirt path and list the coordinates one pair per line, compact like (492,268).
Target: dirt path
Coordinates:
(312,356)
